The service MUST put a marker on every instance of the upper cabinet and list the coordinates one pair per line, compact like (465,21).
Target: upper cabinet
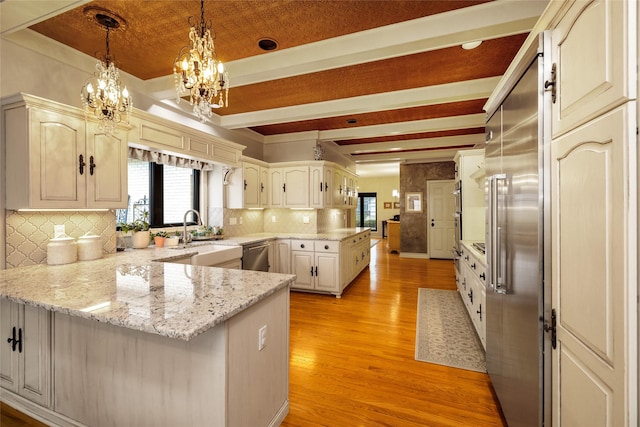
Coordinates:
(56,159)
(321,183)
(590,78)
(469,163)
(248,187)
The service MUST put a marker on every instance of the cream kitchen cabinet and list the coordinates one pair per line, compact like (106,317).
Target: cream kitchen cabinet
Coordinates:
(355,256)
(473,207)
(282,256)
(471,281)
(316,265)
(59,160)
(289,187)
(25,353)
(321,183)
(248,187)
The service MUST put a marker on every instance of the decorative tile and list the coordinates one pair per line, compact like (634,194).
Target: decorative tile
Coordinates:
(28,233)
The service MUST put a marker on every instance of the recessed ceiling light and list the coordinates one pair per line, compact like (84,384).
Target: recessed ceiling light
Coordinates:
(471,45)
(267,44)
(352,121)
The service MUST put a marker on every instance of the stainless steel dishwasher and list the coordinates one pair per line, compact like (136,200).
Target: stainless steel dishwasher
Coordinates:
(255,256)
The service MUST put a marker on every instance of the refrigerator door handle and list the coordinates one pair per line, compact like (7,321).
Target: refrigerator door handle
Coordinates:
(494,248)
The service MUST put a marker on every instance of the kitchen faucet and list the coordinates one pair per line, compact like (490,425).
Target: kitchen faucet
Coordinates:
(186,239)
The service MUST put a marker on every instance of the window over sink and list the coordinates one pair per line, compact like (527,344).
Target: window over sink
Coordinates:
(166,192)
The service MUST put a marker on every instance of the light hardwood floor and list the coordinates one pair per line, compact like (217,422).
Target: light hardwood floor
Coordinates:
(352,358)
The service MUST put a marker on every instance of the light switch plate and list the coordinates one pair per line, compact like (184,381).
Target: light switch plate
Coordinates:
(305,219)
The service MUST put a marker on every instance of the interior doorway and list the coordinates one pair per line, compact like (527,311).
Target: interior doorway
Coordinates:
(441,225)
(366,211)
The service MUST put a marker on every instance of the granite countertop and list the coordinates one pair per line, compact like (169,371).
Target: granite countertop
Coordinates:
(479,255)
(338,234)
(131,290)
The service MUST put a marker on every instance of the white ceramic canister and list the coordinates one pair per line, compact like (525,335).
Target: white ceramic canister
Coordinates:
(89,247)
(62,250)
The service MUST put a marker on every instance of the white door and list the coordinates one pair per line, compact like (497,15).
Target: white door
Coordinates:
(441,224)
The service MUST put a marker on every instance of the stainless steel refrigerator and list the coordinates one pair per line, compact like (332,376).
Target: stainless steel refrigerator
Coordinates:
(515,164)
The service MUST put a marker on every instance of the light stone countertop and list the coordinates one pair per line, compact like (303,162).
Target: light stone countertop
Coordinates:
(131,290)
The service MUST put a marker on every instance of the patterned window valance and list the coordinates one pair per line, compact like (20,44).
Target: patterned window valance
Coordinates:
(168,159)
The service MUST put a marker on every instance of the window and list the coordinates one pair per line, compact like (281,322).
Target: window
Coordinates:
(165,192)
(366,211)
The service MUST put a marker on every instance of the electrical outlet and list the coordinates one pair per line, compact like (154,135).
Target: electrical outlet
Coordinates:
(262,338)
(232,221)
(305,219)
(273,218)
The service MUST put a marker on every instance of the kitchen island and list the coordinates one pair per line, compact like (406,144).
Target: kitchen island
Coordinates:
(125,340)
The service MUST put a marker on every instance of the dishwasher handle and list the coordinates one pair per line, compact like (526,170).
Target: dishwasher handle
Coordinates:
(253,248)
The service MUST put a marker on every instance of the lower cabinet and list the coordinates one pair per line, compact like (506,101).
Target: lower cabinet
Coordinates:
(328,266)
(471,281)
(25,353)
(280,262)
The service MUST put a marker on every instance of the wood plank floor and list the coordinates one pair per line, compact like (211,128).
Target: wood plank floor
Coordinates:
(352,358)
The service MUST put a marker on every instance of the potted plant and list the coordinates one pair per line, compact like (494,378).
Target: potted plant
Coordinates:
(173,240)
(140,227)
(159,238)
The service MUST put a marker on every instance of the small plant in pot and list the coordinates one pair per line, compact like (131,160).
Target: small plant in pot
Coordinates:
(159,238)
(140,227)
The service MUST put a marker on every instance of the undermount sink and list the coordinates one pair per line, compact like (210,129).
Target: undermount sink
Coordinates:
(212,255)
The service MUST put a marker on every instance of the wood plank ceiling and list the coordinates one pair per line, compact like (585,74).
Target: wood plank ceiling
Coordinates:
(383,80)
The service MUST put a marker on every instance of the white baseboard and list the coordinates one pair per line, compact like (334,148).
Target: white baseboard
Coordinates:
(414,255)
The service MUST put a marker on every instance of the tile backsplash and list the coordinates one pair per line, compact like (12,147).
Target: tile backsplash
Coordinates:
(28,233)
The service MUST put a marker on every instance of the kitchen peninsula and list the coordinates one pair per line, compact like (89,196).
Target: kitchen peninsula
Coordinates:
(125,340)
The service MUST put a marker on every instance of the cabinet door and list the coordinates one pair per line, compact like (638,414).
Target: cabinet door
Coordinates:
(316,179)
(338,188)
(57,142)
(328,272)
(328,187)
(107,180)
(264,187)
(301,265)
(251,185)
(593,52)
(8,357)
(283,256)
(276,192)
(296,190)
(27,370)
(594,276)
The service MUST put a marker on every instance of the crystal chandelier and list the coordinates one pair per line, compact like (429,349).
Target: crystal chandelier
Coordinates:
(103,95)
(198,72)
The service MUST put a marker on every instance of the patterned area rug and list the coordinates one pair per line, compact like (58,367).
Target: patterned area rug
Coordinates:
(444,332)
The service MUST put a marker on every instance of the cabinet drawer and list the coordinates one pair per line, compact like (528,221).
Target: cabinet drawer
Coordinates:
(327,246)
(302,245)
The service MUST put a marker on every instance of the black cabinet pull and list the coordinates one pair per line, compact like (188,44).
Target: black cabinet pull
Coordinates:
(320,187)
(284,187)
(479,311)
(92,165)
(261,187)
(326,187)
(316,271)
(473,265)
(312,270)
(470,294)
(466,258)
(81,164)
(15,341)
(482,276)
(245,184)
